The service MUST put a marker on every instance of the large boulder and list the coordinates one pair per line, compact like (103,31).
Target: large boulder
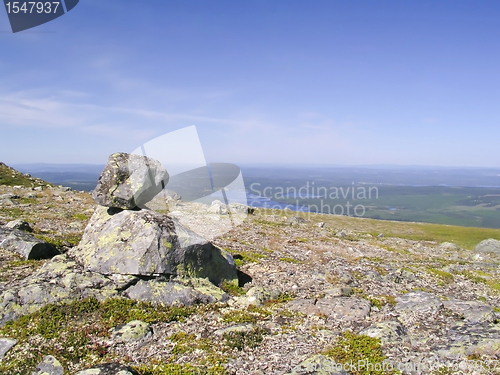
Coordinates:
(129,181)
(488,246)
(143,242)
(25,244)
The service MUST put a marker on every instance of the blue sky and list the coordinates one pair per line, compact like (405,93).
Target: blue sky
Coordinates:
(281,81)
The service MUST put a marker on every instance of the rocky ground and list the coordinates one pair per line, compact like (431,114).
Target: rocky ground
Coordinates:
(313,295)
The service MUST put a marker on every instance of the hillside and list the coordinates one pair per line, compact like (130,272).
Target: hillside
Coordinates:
(314,288)
(11,177)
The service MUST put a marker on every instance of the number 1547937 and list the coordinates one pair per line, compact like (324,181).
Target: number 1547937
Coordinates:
(32,6)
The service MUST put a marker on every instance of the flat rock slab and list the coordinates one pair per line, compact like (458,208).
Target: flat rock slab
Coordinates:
(133,331)
(389,331)
(25,244)
(174,294)
(108,369)
(473,311)
(49,366)
(341,308)
(488,246)
(129,181)
(419,302)
(143,242)
(468,339)
(58,280)
(6,345)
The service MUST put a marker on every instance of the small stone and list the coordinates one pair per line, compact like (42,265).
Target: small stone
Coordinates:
(448,246)
(6,345)
(381,235)
(388,331)
(49,366)
(132,331)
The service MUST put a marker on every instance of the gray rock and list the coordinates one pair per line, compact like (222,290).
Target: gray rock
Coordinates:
(25,244)
(218,208)
(295,220)
(389,331)
(238,208)
(448,246)
(465,339)
(488,246)
(108,369)
(381,235)
(473,311)
(131,332)
(321,224)
(6,345)
(58,280)
(49,366)
(341,308)
(174,294)
(257,296)
(341,234)
(146,243)
(420,302)
(172,195)
(19,224)
(340,275)
(129,181)
(339,292)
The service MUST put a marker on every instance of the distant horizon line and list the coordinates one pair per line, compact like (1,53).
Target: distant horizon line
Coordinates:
(288,165)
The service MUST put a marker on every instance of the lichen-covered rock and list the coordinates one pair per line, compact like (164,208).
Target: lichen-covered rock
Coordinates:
(146,243)
(25,244)
(488,246)
(419,302)
(476,340)
(448,246)
(257,296)
(6,345)
(132,331)
(49,366)
(472,311)
(108,369)
(129,181)
(341,308)
(59,280)
(173,293)
(389,331)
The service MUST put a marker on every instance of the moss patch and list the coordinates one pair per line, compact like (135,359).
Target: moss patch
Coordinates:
(352,347)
